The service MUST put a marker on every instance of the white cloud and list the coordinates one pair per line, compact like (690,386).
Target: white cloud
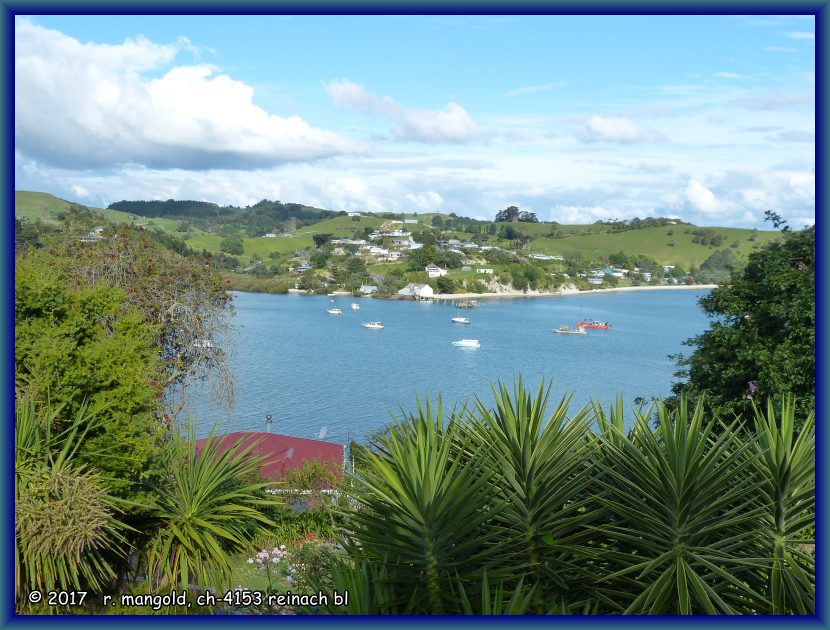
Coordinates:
(782,49)
(802,35)
(611,129)
(792,135)
(582,214)
(79,191)
(532,89)
(430,201)
(451,124)
(732,75)
(701,198)
(777,101)
(89,105)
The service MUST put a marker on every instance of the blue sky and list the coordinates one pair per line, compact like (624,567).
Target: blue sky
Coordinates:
(577,118)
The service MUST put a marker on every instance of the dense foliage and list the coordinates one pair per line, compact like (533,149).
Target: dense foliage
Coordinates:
(539,512)
(513,214)
(761,341)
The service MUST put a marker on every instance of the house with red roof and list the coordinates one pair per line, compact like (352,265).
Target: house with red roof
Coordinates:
(280,453)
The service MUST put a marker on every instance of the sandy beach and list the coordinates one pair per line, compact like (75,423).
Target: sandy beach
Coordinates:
(535,294)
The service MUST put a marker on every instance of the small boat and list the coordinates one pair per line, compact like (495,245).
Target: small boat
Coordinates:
(467,343)
(334,311)
(565,330)
(355,306)
(372,325)
(592,323)
(461,320)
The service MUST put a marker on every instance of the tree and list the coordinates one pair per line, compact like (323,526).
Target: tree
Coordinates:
(510,214)
(445,284)
(321,239)
(762,340)
(232,245)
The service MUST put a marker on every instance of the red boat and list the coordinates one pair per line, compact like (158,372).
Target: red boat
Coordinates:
(592,323)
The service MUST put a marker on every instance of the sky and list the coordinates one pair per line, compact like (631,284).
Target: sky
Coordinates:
(710,119)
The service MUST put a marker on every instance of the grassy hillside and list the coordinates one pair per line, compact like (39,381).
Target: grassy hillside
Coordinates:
(36,205)
(656,243)
(669,245)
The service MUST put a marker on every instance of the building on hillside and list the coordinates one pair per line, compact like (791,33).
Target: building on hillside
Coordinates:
(279,453)
(486,270)
(353,214)
(368,289)
(417,291)
(434,271)
(410,221)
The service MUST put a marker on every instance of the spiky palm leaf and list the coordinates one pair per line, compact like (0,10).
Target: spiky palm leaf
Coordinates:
(786,464)
(684,509)
(541,463)
(64,516)
(207,510)
(423,509)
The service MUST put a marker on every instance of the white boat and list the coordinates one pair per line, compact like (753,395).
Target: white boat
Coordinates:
(334,311)
(565,330)
(355,306)
(372,325)
(461,320)
(467,343)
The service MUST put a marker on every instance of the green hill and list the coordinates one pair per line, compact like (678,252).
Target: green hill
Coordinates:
(667,244)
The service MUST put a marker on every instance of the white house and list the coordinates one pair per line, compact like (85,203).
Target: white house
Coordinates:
(270,235)
(353,214)
(417,291)
(668,267)
(368,289)
(410,221)
(595,280)
(647,276)
(395,255)
(378,251)
(434,271)
(486,270)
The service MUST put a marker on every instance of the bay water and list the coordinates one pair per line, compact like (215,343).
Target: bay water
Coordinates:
(318,374)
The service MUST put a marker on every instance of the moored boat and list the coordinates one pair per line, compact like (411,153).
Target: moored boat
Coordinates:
(334,311)
(372,325)
(467,343)
(355,306)
(566,330)
(461,320)
(592,323)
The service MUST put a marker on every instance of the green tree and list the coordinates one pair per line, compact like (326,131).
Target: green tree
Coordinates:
(445,284)
(78,345)
(321,239)
(232,245)
(762,339)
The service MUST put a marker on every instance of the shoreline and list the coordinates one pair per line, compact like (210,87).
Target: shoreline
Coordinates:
(535,294)
(531,294)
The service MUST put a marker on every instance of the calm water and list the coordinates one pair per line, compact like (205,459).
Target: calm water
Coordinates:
(310,370)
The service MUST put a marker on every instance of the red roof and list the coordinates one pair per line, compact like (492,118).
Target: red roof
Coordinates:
(275,450)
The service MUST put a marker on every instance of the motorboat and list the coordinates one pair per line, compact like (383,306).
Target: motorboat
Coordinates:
(467,343)
(565,330)
(355,306)
(592,323)
(372,325)
(461,320)
(334,311)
